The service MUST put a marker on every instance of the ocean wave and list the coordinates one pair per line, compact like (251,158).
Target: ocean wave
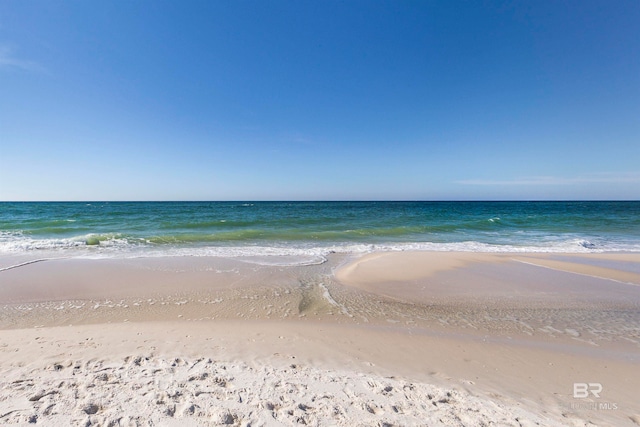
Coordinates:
(17,242)
(286,253)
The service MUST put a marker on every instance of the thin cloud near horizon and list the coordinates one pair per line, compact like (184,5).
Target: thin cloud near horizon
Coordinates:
(608,178)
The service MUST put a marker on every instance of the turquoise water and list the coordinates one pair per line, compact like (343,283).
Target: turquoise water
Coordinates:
(308,231)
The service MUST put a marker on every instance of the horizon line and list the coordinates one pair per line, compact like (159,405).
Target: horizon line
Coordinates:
(314,200)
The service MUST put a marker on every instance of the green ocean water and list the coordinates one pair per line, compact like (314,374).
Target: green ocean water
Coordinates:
(310,230)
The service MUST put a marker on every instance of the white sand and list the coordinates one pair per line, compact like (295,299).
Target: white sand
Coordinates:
(421,339)
(142,390)
(113,376)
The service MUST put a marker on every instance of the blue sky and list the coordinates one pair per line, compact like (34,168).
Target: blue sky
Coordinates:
(289,100)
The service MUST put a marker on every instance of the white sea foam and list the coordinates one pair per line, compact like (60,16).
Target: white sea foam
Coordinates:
(22,264)
(18,242)
(282,253)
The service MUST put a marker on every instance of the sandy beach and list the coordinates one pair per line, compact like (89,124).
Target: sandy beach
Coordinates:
(399,338)
(319,213)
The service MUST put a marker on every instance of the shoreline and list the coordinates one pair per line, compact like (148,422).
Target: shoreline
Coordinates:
(482,326)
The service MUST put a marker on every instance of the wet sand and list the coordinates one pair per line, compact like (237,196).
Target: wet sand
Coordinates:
(505,335)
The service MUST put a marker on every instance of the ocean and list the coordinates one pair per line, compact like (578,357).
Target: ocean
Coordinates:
(299,233)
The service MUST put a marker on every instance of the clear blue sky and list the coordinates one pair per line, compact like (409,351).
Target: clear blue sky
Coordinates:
(262,100)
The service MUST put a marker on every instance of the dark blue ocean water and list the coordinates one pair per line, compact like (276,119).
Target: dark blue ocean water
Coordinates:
(310,230)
